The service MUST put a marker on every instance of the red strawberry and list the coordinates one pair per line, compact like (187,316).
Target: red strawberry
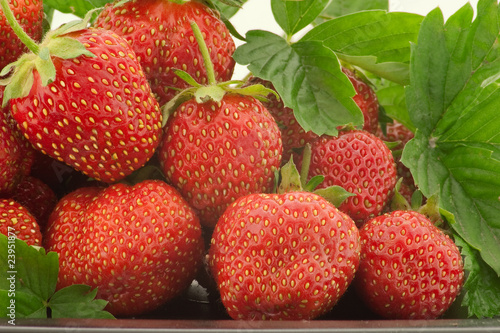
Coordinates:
(409,269)
(37,197)
(16,155)
(283,256)
(293,135)
(216,152)
(139,245)
(366,99)
(29,15)
(159,31)
(98,115)
(362,164)
(15,219)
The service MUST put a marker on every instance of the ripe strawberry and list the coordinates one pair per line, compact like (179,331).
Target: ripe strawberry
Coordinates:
(37,197)
(366,99)
(14,218)
(293,135)
(29,14)
(409,269)
(139,245)
(216,152)
(159,31)
(283,256)
(16,155)
(362,164)
(98,115)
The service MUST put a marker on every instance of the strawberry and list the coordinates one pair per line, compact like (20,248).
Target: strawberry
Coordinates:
(220,143)
(17,155)
(140,245)
(30,17)
(17,220)
(409,268)
(215,152)
(159,31)
(37,197)
(285,256)
(362,164)
(293,135)
(89,104)
(366,99)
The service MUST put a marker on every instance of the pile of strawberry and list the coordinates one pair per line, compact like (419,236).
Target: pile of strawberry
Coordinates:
(156,151)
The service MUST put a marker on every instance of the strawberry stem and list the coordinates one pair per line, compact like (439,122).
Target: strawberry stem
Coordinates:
(209,66)
(18,30)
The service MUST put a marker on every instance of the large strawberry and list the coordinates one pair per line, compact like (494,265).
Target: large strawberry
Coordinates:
(88,104)
(409,269)
(362,164)
(16,220)
(219,145)
(30,17)
(159,31)
(285,256)
(140,245)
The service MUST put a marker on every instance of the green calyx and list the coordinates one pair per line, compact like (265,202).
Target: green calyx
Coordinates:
(213,91)
(18,84)
(291,180)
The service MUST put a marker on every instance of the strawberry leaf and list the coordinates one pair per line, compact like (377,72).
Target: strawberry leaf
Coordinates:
(293,16)
(343,7)
(308,78)
(78,301)
(453,101)
(28,283)
(374,40)
(481,278)
(75,7)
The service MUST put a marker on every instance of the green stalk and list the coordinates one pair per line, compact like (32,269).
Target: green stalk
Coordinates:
(205,53)
(18,30)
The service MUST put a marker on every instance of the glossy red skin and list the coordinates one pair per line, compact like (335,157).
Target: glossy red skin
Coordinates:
(215,153)
(283,256)
(98,116)
(171,45)
(140,245)
(366,99)
(409,268)
(29,14)
(362,164)
(15,219)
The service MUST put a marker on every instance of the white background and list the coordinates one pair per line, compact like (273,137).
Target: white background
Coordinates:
(256,14)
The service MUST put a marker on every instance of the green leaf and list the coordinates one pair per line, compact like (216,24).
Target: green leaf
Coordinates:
(78,301)
(226,10)
(308,78)
(343,7)
(393,100)
(374,40)
(482,287)
(76,7)
(336,195)
(293,16)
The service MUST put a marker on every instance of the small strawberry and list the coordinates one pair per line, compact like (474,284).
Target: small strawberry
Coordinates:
(16,154)
(285,256)
(409,269)
(37,197)
(89,104)
(30,17)
(362,164)
(219,147)
(293,135)
(140,245)
(366,99)
(159,32)
(17,220)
